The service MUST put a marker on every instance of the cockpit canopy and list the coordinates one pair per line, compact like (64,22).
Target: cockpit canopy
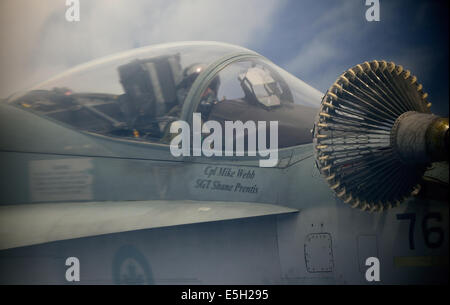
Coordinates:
(138,94)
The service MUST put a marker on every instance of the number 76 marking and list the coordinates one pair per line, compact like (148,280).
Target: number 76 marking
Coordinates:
(427,231)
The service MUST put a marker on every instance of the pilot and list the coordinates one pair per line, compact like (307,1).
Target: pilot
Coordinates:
(207,99)
(190,74)
(209,96)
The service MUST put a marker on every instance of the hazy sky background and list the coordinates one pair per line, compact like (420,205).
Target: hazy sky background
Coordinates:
(315,40)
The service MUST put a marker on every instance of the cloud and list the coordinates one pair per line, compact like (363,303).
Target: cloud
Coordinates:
(20,21)
(39,42)
(321,57)
(314,40)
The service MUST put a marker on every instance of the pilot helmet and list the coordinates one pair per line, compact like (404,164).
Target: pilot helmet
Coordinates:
(191,73)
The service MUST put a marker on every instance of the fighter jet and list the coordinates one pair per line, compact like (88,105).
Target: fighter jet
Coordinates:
(358,192)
